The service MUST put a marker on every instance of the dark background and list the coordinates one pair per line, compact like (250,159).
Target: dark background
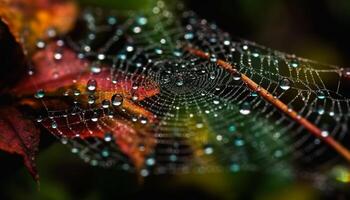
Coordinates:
(313,29)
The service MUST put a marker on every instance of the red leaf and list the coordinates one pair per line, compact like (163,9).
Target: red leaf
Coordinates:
(135,142)
(50,74)
(11,59)
(69,72)
(20,136)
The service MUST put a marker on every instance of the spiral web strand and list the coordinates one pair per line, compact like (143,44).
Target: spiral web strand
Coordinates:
(206,118)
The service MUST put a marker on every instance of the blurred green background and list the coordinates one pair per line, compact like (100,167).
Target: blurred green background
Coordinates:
(317,30)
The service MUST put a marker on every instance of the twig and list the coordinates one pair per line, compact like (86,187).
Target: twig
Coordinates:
(312,128)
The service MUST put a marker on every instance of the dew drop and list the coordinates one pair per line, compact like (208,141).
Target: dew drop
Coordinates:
(236,76)
(91,85)
(105,103)
(346,72)
(40,44)
(324,133)
(57,56)
(39,94)
(188,36)
(320,94)
(101,56)
(91,99)
(142,21)
(143,120)
(212,75)
(234,167)
(129,48)
(94,117)
(245,108)
(117,100)
(105,153)
(108,137)
(232,128)
(112,20)
(54,125)
(95,68)
(285,84)
(179,82)
(150,161)
(208,149)
(320,110)
(294,63)
(239,142)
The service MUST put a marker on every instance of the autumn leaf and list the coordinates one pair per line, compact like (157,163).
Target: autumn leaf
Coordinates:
(20,136)
(70,73)
(33,20)
(11,57)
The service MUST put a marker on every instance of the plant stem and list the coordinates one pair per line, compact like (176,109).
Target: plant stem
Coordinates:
(312,128)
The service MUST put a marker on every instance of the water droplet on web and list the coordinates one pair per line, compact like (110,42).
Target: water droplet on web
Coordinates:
(95,68)
(137,29)
(51,32)
(74,150)
(232,128)
(39,119)
(208,149)
(101,56)
(117,100)
(320,109)
(129,48)
(142,21)
(94,117)
(91,85)
(158,51)
(108,137)
(105,103)
(76,92)
(245,108)
(54,124)
(143,120)
(216,102)
(345,72)
(173,158)
(57,55)
(91,99)
(150,161)
(324,133)
(239,142)
(112,20)
(294,63)
(236,76)
(134,98)
(255,53)
(227,42)
(39,94)
(245,47)
(105,153)
(40,44)
(278,153)
(179,82)
(213,58)
(285,84)
(177,53)
(234,167)
(320,94)
(212,75)
(188,36)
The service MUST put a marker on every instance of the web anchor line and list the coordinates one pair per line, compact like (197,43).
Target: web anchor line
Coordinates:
(266,95)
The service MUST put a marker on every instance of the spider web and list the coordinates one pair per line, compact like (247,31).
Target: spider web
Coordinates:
(207,118)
